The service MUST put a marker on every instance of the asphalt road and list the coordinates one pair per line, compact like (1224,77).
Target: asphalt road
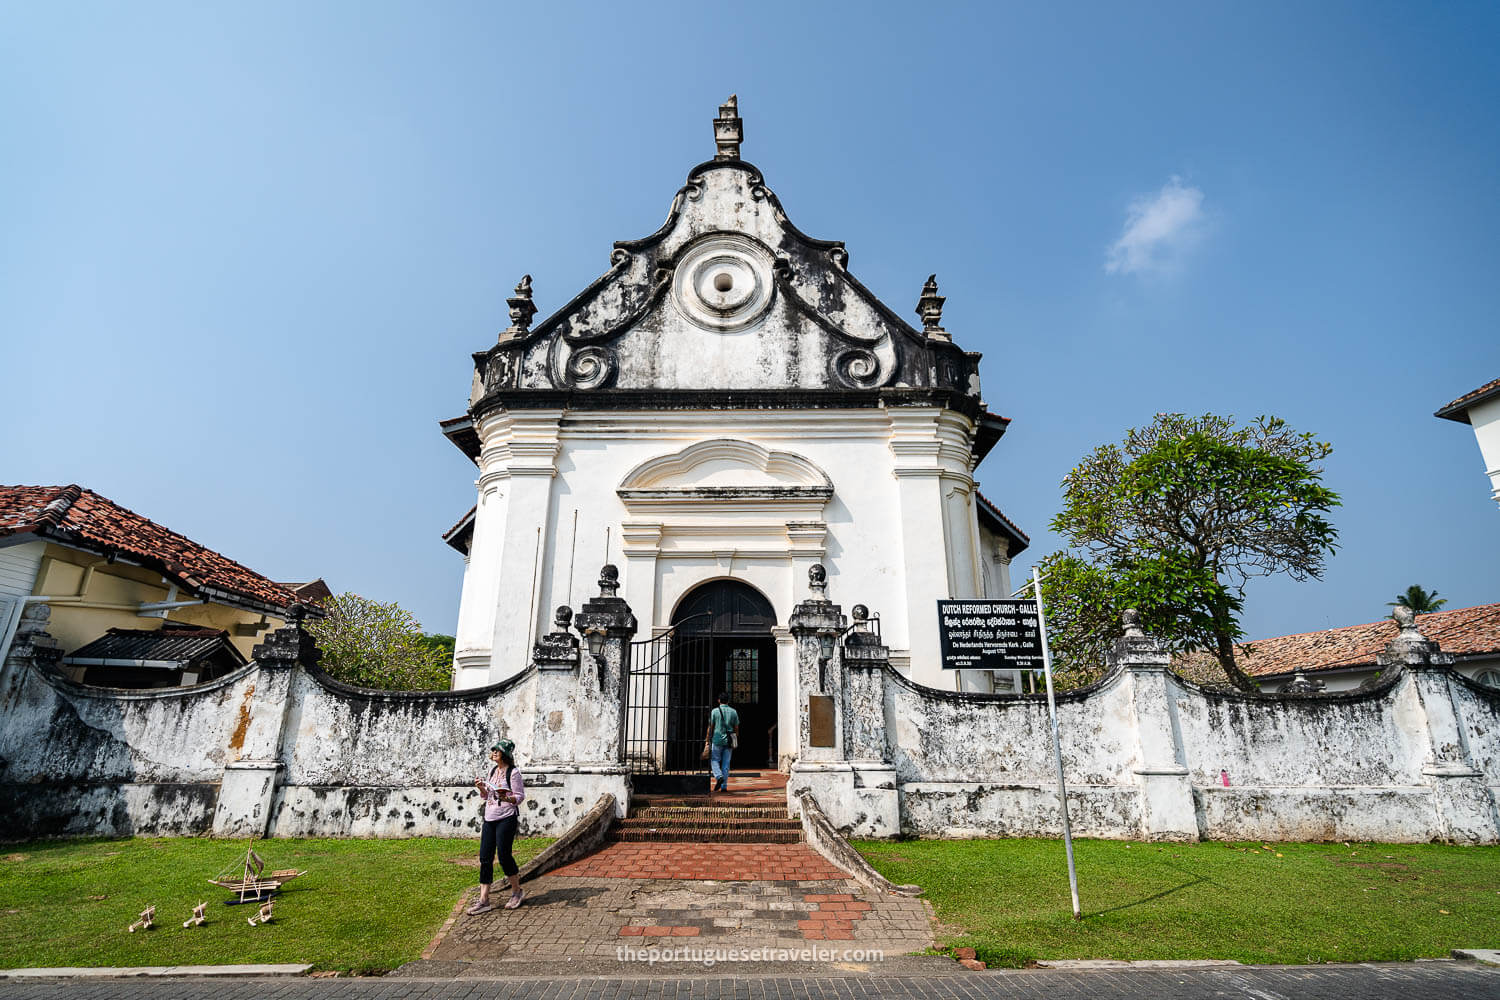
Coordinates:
(1417,981)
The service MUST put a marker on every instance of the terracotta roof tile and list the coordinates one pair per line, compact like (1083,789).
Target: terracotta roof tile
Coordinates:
(82,518)
(1463,632)
(1459,409)
(986,505)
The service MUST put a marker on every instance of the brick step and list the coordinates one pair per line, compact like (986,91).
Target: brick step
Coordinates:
(669,802)
(670,814)
(705,834)
(708,822)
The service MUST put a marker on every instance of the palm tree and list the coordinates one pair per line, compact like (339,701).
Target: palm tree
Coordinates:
(1420,601)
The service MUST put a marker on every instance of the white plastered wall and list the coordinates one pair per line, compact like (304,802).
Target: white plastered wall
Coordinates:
(1485,419)
(883,498)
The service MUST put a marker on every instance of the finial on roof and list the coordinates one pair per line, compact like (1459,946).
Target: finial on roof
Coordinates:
(729,131)
(521,307)
(930,308)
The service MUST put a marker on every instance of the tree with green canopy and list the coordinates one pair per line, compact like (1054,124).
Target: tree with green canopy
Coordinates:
(1420,601)
(1174,521)
(374,645)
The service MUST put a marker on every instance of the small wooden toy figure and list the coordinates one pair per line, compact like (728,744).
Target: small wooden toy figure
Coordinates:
(148,918)
(264,916)
(196,920)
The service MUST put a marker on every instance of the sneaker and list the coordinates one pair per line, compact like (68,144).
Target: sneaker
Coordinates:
(515,899)
(483,906)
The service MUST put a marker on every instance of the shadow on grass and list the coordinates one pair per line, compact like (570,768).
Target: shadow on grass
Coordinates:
(1147,899)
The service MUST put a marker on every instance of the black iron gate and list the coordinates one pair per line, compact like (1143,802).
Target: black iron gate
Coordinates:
(669,694)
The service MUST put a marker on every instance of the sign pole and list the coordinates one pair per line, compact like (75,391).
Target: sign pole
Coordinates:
(1062,788)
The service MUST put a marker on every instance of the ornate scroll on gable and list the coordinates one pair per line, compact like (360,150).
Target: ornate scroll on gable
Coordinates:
(728,295)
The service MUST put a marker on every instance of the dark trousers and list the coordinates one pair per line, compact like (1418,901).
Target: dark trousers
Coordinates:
(496,836)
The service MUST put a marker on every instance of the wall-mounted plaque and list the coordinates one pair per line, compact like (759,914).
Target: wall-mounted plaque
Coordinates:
(820,720)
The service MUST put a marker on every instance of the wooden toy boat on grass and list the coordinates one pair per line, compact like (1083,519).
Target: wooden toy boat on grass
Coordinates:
(254,882)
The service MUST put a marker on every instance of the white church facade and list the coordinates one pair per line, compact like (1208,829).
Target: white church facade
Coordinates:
(724,408)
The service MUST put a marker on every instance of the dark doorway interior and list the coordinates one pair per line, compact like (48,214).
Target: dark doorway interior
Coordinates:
(736,620)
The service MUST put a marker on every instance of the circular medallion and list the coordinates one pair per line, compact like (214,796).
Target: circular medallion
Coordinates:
(723,283)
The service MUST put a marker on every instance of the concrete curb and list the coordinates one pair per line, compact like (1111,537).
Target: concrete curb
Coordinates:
(122,972)
(1486,956)
(1147,963)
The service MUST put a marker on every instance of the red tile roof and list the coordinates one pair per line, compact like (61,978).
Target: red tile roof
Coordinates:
(461,534)
(1005,524)
(1459,409)
(1462,632)
(83,519)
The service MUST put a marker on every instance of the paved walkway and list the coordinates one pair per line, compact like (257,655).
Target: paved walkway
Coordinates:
(614,917)
(743,862)
(1424,980)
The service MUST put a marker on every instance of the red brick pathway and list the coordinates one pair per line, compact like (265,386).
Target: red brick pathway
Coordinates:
(759,862)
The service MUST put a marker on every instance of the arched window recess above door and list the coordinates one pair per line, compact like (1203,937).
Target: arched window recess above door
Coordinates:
(727,474)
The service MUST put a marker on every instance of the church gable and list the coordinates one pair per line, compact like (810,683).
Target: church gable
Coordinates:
(727,295)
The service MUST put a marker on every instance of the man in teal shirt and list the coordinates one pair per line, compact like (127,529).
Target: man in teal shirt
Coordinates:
(723,734)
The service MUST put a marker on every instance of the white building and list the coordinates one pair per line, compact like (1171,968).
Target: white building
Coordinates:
(722,409)
(1480,409)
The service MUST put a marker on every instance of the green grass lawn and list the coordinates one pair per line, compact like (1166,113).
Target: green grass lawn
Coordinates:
(1291,903)
(364,905)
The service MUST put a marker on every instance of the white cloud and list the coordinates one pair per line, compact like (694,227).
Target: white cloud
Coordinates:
(1159,231)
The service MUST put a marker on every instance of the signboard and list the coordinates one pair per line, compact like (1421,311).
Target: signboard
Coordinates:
(989,635)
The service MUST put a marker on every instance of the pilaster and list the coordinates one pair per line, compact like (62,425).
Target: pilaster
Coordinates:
(1466,809)
(1167,811)
(519,454)
(254,769)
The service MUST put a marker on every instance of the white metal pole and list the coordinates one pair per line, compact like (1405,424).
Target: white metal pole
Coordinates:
(1062,788)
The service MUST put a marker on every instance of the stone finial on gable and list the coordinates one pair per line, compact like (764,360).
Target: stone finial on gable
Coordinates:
(521,308)
(729,130)
(930,308)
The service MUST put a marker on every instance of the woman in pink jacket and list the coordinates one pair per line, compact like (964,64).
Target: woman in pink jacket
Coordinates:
(503,790)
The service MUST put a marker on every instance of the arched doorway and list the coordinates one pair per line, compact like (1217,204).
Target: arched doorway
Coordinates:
(736,621)
(720,641)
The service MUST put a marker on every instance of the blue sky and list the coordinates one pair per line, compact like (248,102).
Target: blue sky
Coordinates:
(247,249)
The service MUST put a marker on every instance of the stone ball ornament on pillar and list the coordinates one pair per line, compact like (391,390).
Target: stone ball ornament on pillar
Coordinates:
(609,580)
(817,581)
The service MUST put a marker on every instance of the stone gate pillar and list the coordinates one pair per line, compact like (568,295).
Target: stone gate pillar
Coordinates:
(247,791)
(876,807)
(1166,791)
(610,623)
(1466,811)
(554,724)
(816,625)
(578,754)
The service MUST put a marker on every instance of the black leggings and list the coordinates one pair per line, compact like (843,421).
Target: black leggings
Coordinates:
(496,836)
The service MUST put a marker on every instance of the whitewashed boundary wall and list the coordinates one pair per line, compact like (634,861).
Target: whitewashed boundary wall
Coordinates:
(1414,757)
(279,748)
